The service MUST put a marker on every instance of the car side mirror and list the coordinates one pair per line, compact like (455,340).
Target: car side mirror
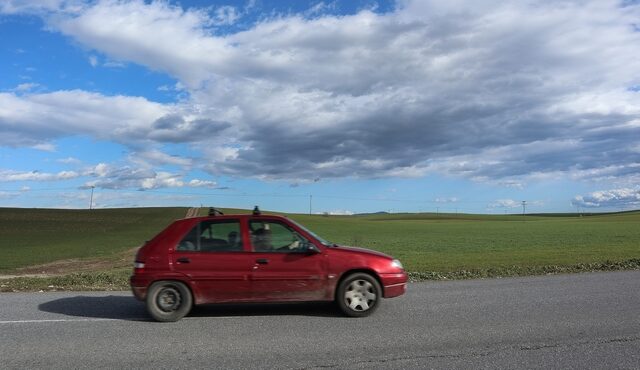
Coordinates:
(312,249)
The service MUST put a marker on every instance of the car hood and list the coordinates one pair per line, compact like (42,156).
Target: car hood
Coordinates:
(362,250)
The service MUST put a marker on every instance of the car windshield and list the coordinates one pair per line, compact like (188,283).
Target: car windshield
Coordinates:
(321,240)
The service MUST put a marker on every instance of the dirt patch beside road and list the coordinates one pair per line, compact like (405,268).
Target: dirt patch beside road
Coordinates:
(74,265)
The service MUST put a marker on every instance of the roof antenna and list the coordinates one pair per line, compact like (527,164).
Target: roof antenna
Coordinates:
(256,211)
(215,212)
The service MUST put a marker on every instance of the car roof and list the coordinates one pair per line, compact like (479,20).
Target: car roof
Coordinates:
(234,216)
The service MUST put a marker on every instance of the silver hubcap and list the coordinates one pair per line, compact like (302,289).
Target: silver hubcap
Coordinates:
(360,295)
(169,299)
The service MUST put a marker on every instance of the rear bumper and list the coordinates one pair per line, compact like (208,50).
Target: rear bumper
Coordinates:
(394,284)
(139,287)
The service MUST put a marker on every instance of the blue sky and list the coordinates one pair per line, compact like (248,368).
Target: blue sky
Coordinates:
(344,106)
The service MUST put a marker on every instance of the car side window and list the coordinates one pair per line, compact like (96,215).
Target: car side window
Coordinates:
(213,236)
(273,236)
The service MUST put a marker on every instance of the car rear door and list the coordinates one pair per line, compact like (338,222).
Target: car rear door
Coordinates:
(214,258)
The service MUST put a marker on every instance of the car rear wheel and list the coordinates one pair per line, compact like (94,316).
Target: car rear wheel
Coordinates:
(169,300)
(358,295)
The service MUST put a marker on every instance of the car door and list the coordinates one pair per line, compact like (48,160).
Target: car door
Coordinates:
(213,256)
(284,267)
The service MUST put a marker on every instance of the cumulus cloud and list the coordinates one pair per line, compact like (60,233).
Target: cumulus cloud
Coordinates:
(33,119)
(493,91)
(108,176)
(614,198)
(141,32)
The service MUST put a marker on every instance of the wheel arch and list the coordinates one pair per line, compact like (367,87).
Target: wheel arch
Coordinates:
(185,282)
(355,271)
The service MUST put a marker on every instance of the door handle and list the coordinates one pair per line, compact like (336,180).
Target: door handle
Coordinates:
(183,260)
(262,261)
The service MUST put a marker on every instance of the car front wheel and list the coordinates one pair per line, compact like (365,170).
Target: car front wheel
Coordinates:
(358,294)
(169,300)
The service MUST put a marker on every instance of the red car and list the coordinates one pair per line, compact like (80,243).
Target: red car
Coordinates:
(257,258)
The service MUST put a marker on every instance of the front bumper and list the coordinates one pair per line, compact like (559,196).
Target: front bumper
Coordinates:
(394,284)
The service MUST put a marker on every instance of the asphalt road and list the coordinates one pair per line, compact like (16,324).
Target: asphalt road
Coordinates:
(552,322)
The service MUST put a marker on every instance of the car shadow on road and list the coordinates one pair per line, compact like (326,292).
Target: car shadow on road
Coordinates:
(318,309)
(100,307)
(128,308)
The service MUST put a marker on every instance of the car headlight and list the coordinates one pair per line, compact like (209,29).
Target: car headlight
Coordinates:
(396,264)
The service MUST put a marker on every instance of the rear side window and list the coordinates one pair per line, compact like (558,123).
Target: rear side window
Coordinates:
(213,236)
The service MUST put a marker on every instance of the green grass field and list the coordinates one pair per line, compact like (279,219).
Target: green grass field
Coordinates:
(37,236)
(425,243)
(447,243)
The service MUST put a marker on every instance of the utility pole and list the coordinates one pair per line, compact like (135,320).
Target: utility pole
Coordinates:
(310,200)
(91,200)
(524,206)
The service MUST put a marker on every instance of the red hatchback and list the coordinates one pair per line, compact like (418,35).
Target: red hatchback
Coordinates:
(257,258)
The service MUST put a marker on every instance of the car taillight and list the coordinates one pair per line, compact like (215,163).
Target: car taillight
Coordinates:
(138,266)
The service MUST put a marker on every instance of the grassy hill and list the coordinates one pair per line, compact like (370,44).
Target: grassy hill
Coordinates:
(438,244)
(37,236)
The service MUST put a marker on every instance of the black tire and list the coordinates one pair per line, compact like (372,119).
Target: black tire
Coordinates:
(358,295)
(168,301)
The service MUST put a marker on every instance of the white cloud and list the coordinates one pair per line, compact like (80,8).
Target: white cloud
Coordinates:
(39,6)
(14,194)
(155,34)
(505,203)
(169,180)
(109,176)
(114,199)
(511,184)
(45,147)
(195,183)
(613,198)
(33,119)
(10,176)
(100,170)
(338,212)
(495,91)
(156,157)
(114,64)
(447,200)
(162,180)
(69,160)
(93,60)
(226,15)
(8,194)
(28,86)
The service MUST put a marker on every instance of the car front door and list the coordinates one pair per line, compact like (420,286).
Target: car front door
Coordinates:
(284,268)
(213,256)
